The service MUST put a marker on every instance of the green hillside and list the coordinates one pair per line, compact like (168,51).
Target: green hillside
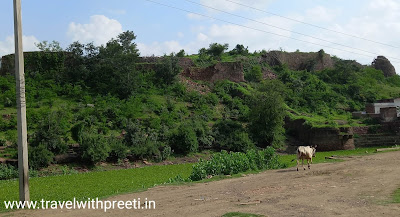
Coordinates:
(114,105)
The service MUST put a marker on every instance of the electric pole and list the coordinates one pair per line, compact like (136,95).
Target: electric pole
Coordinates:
(21,106)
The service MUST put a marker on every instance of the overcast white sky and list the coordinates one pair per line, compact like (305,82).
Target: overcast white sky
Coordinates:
(163,30)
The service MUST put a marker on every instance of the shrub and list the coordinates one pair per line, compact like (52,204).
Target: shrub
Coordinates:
(118,149)
(254,75)
(230,88)
(40,156)
(8,172)
(52,132)
(94,147)
(3,142)
(166,152)
(225,163)
(231,135)
(183,140)
(167,71)
(143,142)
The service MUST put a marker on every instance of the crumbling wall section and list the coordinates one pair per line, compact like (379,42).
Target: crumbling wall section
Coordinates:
(232,71)
(313,61)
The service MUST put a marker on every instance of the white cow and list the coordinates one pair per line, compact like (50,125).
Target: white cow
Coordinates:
(305,152)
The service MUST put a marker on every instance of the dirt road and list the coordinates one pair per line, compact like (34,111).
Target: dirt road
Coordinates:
(360,186)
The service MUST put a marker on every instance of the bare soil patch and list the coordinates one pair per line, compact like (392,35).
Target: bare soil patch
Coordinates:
(360,186)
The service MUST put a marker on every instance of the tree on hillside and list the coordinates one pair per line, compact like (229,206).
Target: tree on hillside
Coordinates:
(267,115)
(216,50)
(115,69)
(239,50)
(181,53)
(53,46)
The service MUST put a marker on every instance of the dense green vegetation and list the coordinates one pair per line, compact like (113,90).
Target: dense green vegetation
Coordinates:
(225,163)
(115,106)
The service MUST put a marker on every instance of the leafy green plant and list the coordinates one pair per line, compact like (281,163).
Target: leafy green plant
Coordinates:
(94,147)
(52,132)
(254,75)
(225,163)
(232,136)
(8,172)
(183,139)
(118,149)
(39,156)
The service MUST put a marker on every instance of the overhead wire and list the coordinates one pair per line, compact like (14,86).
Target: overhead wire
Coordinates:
(313,25)
(260,30)
(277,27)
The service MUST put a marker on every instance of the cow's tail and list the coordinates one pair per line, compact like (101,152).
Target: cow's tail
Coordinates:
(297,155)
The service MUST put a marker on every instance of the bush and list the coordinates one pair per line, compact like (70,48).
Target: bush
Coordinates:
(8,172)
(254,75)
(183,140)
(143,142)
(225,163)
(167,71)
(230,88)
(94,147)
(3,142)
(230,135)
(52,132)
(118,149)
(166,152)
(40,156)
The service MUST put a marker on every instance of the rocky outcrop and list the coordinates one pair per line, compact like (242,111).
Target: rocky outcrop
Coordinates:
(232,71)
(382,63)
(313,61)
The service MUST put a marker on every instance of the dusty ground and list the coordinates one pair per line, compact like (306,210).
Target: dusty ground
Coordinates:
(360,186)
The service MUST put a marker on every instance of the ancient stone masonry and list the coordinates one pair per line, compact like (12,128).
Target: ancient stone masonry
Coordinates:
(232,71)
(298,60)
(183,62)
(384,134)
(327,138)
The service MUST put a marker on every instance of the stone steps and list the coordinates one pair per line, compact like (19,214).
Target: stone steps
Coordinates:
(377,140)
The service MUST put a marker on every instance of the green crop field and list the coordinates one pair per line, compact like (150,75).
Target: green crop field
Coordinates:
(94,184)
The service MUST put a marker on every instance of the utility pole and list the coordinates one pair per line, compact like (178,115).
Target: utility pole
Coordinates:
(21,106)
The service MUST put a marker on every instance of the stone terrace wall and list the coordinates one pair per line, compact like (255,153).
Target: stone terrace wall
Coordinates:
(327,139)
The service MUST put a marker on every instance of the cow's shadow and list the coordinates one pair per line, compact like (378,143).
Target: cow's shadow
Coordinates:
(287,170)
